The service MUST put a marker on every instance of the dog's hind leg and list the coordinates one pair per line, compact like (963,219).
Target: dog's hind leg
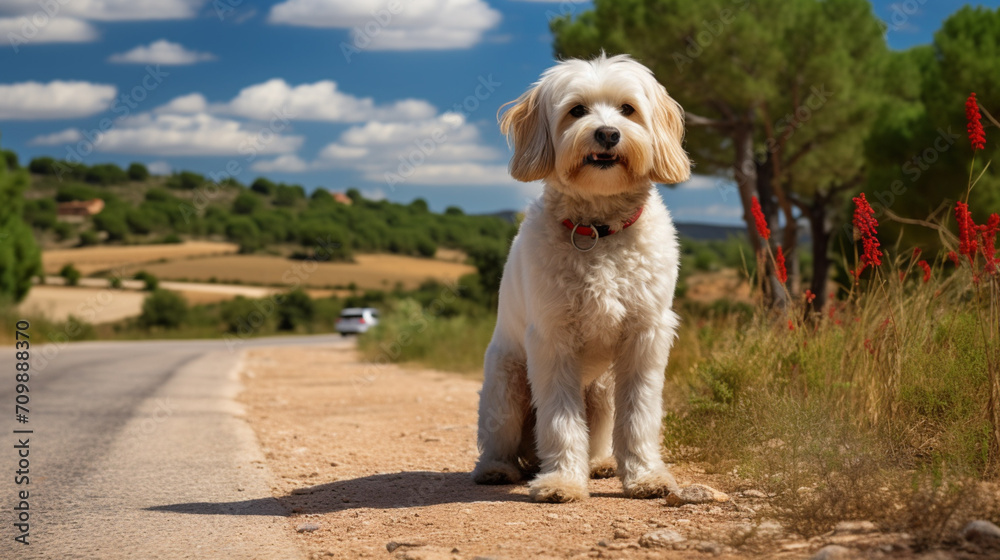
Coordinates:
(599,399)
(504,406)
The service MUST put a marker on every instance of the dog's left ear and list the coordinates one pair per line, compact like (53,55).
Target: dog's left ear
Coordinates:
(670,162)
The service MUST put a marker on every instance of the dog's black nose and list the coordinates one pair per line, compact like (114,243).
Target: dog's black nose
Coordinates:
(607,136)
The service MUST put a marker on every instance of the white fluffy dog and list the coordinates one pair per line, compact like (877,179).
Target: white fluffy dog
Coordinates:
(574,372)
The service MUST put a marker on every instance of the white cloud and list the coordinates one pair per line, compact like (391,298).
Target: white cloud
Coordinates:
(68,136)
(161,52)
(185,105)
(108,10)
(20,30)
(704,182)
(159,168)
(445,150)
(54,100)
(193,135)
(321,101)
(398,25)
(288,163)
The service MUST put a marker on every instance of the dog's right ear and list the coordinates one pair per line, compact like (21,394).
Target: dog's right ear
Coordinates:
(527,128)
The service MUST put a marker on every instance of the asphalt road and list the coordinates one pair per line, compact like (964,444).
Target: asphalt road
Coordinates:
(122,432)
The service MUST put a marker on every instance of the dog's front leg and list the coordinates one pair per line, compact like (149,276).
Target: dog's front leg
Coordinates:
(561,427)
(639,375)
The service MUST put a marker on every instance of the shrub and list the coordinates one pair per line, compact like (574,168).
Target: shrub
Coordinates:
(70,274)
(185,180)
(63,230)
(88,238)
(163,308)
(246,204)
(295,310)
(151,282)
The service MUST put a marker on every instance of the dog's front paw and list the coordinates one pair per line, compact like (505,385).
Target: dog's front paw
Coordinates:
(656,484)
(602,468)
(496,472)
(558,488)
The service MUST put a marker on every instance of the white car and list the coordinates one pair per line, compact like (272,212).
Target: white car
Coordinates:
(357,320)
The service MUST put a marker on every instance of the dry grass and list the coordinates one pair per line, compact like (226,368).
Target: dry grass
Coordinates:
(92,305)
(89,260)
(370,272)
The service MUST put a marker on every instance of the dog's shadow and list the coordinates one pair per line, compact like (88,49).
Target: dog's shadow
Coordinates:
(380,491)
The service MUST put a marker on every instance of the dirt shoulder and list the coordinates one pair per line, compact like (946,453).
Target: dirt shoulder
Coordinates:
(374,457)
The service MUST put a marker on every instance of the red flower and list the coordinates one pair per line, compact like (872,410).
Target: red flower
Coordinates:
(988,241)
(966,230)
(758,216)
(865,226)
(791,325)
(810,296)
(779,261)
(976,135)
(927,270)
(953,256)
(916,252)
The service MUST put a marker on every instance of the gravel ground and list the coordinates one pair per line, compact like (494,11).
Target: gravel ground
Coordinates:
(375,463)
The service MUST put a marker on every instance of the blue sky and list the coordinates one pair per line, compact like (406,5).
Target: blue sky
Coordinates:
(395,97)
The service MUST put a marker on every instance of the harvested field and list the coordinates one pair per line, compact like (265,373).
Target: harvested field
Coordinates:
(89,260)
(374,272)
(92,305)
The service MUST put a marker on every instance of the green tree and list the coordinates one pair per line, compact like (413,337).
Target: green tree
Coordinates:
(163,308)
(20,258)
(263,186)
(105,174)
(185,180)
(138,172)
(244,231)
(779,94)
(10,159)
(920,156)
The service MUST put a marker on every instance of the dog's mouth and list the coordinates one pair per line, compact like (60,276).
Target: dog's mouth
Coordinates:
(602,160)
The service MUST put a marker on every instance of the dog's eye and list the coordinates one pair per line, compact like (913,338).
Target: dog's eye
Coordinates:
(627,109)
(578,111)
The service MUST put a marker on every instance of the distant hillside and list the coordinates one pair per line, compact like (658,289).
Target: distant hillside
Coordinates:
(709,232)
(134,207)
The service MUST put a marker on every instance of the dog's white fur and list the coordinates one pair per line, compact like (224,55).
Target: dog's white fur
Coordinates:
(574,372)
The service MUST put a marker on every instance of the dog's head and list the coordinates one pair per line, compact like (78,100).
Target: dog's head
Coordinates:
(598,127)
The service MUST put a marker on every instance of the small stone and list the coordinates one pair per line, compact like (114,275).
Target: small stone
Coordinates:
(695,494)
(753,494)
(621,534)
(663,538)
(834,552)
(307,527)
(983,533)
(401,543)
(709,547)
(854,528)
(552,515)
